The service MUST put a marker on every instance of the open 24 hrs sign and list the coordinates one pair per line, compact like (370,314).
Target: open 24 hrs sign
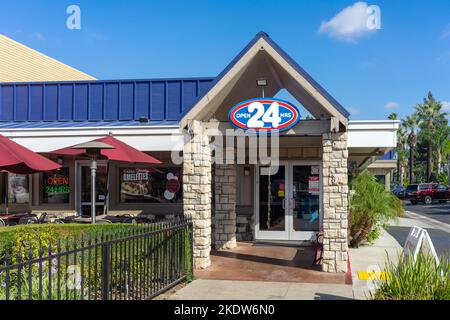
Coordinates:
(264,115)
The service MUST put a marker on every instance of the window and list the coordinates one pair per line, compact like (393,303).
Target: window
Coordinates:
(18,188)
(151,185)
(56,186)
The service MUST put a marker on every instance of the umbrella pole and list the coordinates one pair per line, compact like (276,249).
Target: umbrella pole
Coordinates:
(93,172)
(5,176)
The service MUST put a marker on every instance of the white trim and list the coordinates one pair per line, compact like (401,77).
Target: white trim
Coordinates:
(155,138)
(372,134)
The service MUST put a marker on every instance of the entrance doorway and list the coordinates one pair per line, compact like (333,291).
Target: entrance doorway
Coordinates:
(84,201)
(288,201)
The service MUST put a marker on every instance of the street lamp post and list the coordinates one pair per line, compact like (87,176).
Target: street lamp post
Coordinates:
(93,150)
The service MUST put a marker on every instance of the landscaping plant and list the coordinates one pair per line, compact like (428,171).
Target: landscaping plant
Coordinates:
(371,206)
(422,279)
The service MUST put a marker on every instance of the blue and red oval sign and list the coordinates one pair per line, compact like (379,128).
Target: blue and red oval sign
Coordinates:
(264,115)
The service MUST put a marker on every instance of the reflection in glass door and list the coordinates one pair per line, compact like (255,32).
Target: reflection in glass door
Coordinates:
(305,198)
(272,204)
(100,190)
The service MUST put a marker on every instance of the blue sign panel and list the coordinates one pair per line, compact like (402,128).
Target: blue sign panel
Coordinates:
(264,115)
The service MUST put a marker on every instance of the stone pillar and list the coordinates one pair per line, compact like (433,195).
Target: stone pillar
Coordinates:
(335,202)
(197,191)
(225,206)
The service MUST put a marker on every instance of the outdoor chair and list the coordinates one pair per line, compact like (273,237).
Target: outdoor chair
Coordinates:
(2,223)
(41,217)
(29,219)
(318,249)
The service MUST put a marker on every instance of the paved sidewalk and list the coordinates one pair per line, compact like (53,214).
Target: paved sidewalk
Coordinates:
(372,258)
(204,289)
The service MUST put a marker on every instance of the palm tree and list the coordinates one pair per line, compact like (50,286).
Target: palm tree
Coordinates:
(429,114)
(410,125)
(399,149)
(441,142)
(402,141)
(371,205)
(393,116)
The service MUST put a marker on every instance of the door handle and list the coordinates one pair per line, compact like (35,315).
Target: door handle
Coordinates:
(283,203)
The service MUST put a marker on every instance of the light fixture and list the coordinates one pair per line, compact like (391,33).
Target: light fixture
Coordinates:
(261,82)
(60,161)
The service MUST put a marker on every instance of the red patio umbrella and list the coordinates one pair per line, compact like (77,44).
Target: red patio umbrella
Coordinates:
(120,152)
(17,159)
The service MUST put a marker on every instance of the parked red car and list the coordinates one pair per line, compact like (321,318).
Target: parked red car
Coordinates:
(427,193)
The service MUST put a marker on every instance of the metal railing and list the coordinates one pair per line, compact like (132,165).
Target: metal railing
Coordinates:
(130,263)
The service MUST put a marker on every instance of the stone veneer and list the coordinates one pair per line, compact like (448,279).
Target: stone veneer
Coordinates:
(335,202)
(225,206)
(197,191)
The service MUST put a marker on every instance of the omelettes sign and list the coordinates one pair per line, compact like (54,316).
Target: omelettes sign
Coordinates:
(264,115)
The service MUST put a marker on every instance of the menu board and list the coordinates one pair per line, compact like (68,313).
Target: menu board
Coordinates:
(18,188)
(159,185)
(57,186)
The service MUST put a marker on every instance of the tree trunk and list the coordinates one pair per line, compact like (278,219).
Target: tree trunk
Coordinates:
(364,229)
(439,161)
(401,174)
(429,160)
(411,164)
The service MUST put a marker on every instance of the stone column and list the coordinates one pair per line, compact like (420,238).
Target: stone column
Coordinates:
(225,206)
(335,202)
(197,191)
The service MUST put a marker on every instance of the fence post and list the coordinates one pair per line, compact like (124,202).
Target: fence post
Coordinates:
(106,270)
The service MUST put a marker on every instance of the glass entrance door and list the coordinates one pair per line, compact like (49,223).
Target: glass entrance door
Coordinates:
(288,203)
(85,190)
(271,212)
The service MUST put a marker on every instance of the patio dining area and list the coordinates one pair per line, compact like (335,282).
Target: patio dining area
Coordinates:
(269,261)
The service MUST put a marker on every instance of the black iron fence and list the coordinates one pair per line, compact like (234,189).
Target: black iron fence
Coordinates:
(131,263)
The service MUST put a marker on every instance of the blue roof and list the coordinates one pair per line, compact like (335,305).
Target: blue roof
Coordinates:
(81,124)
(22,104)
(116,102)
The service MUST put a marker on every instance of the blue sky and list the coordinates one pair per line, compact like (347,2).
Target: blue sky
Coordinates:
(371,73)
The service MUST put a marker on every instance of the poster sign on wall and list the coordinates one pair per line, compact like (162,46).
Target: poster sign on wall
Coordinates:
(314,185)
(157,185)
(18,191)
(264,115)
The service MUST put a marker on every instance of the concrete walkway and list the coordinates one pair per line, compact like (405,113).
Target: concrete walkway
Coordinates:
(204,289)
(372,259)
(365,258)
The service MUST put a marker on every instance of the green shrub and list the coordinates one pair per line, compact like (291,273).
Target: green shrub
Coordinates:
(419,280)
(151,260)
(371,205)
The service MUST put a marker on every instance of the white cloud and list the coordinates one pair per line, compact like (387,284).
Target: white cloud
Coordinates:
(391,105)
(349,24)
(445,105)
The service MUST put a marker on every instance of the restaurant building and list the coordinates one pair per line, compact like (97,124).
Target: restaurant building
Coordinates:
(205,174)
